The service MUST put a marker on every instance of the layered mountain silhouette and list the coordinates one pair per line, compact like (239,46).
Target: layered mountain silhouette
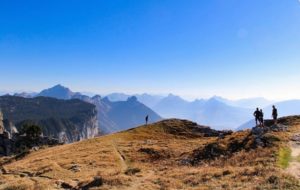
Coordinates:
(147,99)
(113,116)
(246,103)
(217,112)
(210,112)
(115,97)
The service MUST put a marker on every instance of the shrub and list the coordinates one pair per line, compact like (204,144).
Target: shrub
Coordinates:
(32,131)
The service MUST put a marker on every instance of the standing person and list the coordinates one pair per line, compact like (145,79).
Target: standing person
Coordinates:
(261,118)
(257,115)
(274,114)
(147,118)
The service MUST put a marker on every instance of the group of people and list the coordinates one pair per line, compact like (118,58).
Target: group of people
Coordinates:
(259,116)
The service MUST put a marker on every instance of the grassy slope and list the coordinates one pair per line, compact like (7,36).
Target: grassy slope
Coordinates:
(114,155)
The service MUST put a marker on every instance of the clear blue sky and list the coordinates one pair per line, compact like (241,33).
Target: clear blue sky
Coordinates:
(194,48)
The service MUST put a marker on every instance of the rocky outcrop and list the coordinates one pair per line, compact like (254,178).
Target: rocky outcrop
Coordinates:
(239,141)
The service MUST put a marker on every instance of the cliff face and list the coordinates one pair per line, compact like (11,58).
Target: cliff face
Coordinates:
(67,120)
(90,128)
(1,123)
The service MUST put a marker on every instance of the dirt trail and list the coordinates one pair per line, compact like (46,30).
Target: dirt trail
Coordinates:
(137,181)
(122,159)
(294,165)
(140,181)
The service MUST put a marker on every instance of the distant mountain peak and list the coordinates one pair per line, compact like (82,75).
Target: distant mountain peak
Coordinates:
(59,86)
(214,99)
(132,99)
(57,91)
(96,97)
(106,100)
(172,95)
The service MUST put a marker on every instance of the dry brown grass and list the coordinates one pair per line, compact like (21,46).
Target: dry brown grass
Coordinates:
(156,155)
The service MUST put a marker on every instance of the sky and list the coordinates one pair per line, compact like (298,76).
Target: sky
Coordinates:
(231,48)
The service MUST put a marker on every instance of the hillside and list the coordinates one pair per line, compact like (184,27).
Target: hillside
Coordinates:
(56,117)
(171,154)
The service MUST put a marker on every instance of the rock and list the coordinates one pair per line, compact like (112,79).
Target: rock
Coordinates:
(273,180)
(97,182)
(75,168)
(263,137)
(296,138)
(226,172)
(132,171)
(35,148)
(259,130)
(209,152)
(65,185)
(278,127)
(7,146)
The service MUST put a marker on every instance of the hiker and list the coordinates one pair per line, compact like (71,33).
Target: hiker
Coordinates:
(261,118)
(274,114)
(257,116)
(147,118)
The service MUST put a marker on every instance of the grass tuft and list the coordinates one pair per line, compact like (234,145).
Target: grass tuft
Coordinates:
(284,157)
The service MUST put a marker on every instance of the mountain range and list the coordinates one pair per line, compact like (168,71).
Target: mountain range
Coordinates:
(217,112)
(113,116)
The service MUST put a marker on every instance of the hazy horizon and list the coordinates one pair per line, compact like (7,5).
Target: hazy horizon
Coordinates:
(196,49)
(90,93)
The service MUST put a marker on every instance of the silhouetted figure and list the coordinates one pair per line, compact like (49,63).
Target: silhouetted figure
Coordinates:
(274,114)
(261,118)
(257,116)
(147,118)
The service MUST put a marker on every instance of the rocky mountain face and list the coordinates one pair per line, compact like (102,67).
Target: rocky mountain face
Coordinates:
(67,120)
